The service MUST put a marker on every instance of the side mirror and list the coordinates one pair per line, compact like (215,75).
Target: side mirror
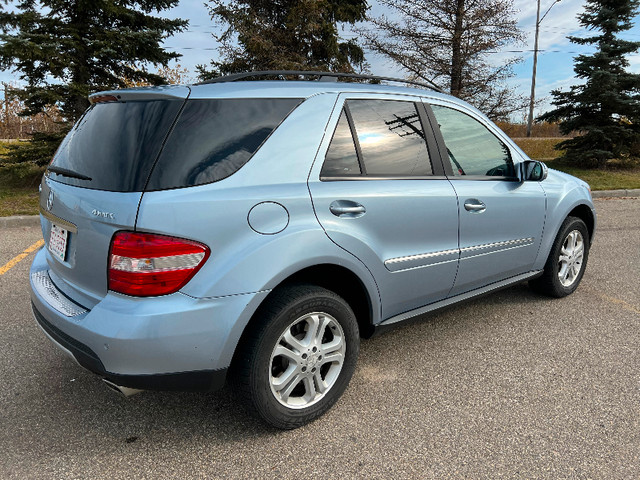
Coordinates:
(534,171)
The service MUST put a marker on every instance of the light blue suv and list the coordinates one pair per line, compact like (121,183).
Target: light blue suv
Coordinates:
(254,231)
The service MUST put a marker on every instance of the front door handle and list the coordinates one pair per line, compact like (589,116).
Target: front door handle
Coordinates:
(347,209)
(474,205)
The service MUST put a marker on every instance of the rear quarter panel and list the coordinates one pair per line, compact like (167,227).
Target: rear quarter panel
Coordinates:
(242,260)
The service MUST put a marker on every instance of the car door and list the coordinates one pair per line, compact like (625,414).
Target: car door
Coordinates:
(379,191)
(501,217)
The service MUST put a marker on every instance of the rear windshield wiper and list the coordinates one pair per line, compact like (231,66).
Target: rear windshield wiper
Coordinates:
(67,173)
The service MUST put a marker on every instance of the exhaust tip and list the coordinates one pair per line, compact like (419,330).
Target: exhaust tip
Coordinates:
(125,391)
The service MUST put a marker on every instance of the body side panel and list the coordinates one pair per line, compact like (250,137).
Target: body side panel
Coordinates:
(564,193)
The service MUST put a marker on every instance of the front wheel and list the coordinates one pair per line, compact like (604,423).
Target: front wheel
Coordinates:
(567,260)
(299,357)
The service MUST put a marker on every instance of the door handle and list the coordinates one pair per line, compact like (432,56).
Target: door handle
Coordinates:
(347,209)
(474,205)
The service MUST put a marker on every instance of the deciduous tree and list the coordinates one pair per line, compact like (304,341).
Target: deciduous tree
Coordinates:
(448,42)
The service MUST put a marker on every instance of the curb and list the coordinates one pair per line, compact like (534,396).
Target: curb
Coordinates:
(20,221)
(616,193)
(34,220)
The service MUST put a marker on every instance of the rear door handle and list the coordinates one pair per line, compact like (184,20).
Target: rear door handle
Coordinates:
(474,205)
(347,209)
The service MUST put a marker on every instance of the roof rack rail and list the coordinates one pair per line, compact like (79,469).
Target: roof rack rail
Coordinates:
(309,73)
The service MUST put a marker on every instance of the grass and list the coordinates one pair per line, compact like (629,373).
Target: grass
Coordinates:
(539,148)
(18,201)
(19,188)
(613,178)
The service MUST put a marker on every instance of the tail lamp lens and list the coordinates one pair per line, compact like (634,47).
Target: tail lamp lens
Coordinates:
(144,264)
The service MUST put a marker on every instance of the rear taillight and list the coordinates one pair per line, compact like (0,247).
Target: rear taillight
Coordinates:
(144,264)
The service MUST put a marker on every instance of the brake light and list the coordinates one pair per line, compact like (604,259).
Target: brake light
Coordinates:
(103,99)
(145,264)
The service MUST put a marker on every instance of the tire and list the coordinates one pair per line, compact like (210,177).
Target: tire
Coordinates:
(567,260)
(283,373)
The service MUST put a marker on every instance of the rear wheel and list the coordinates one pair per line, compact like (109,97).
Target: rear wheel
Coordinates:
(294,365)
(567,260)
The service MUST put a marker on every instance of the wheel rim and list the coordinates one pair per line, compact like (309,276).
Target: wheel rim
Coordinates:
(571,258)
(307,360)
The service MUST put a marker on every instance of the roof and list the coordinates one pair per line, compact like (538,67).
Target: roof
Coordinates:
(265,88)
(299,89)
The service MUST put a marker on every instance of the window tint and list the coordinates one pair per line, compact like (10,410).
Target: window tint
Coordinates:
(391,137)
(472,149)
(341,158)
(212,139)
(115,144)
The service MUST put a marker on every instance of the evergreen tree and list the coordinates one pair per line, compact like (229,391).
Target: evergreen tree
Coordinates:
(605,110)
(65,49)
(285,35)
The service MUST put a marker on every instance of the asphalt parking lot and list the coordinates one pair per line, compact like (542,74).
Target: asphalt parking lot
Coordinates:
(512,385)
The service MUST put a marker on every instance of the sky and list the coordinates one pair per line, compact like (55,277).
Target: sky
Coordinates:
(555,59)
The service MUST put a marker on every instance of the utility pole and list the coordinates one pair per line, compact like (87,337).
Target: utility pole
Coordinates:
(535,65)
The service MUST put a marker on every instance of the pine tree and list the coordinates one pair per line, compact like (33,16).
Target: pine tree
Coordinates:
(65,49)
(605,110)
(285,35)
(447,42)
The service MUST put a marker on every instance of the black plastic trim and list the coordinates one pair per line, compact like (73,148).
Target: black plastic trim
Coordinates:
(83,354)
(306,73)
(380,177)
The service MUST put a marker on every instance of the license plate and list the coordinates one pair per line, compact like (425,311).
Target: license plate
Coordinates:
(58,242)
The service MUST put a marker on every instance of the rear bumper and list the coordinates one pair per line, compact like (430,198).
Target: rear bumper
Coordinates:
(174,342)
(204,380)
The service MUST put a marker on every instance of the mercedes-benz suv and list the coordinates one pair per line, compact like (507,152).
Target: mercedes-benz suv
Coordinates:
(254,231)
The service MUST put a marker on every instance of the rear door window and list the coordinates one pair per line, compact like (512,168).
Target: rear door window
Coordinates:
(391,137)
(342,158)
(381,138)
(115,144)
(212,139)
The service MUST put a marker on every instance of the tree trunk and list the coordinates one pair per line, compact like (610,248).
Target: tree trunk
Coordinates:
(456,53)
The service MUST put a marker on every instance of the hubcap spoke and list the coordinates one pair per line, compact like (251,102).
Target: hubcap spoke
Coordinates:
(335,357)
(283,380)
(314,327)
(320,383)
(288,354)
(332,346)
(293,341)
(310,387)
(289,388)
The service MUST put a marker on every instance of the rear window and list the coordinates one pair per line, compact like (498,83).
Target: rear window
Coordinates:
(212,139)
(116,144)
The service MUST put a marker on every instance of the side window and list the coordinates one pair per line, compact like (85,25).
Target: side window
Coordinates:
(472,149)
(389,140)
(341,158)
(391,137)
(213,139)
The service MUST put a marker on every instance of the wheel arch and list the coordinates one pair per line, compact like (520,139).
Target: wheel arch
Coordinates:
(338,279)
(585,213)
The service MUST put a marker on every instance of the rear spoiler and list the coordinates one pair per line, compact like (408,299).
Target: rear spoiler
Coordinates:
(165,92)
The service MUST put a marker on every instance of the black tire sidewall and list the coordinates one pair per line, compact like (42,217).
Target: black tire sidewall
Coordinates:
(268,407)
